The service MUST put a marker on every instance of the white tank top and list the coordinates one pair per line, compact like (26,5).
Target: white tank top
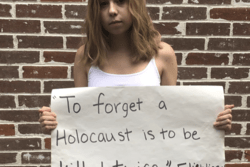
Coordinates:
(147,77)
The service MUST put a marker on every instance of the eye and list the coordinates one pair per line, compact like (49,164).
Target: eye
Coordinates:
(121,1)
(103,3)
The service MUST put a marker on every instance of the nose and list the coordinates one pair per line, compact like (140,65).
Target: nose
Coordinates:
(112,9)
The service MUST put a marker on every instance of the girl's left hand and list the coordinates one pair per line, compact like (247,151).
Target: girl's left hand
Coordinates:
(224,119)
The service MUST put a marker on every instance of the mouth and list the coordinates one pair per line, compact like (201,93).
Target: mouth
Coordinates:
(114,22)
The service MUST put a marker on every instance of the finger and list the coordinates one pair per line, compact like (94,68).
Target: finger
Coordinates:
(221,123)
(44,108)
(49,123)
(49,127)
(48,114)
(229,106)
(224,127)
(46,118)
(224,117)
(225,112)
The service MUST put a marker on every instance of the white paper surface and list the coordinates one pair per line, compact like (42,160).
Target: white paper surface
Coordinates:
(166,126)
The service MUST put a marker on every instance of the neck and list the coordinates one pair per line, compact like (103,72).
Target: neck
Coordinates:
(120,43)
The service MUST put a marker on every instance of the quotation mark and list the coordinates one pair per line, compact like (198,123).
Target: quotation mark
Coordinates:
(168,163)
(54,97)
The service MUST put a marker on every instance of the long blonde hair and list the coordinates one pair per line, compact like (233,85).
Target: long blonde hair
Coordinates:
(144,38)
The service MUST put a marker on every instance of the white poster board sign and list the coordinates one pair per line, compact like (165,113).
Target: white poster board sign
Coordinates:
(167,126)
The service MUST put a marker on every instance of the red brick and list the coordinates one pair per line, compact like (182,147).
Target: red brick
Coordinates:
(10,57)
(75,11)
(210,2)
(184,13)
(164,1)
(19,86)
(202,83)
(30,129)
(207,59)
(241,29)
(241,59)
(237,165)
(154,12)
(47,143)
(6,158)
(5,10)
(49,85)
(241,115)
(74,42)
(44,72)
(36,157)
(7,102)
(239,87)
(236,129)
(33,101)
(192,73)
(247,155)
(237,142)
(69,27)
(6,41)
(185,43)
(20,144)
(248,129)
(236,100)
(20,26)
(39,11)
(232,155)
(64,57)
(239,14)
(39,42)
(208,29)
(9,72)
(167,28)
(233,73)
(7,130)
(19,115)
(228,44)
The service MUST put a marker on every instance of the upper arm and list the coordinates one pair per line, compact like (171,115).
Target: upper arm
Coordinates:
(167,65)
(80,69)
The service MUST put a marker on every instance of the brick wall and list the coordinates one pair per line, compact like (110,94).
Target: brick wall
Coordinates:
(39,38)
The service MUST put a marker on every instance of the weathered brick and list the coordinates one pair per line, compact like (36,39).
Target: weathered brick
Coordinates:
(192,73)
(184,13)
(229,44)
(39,11)
(69,27)
(164,1)
(236,100)
(44,72)
(233,155)
(207,59)
(203,83)
(178,58)
(19,87)
(20,144)
(239,87)
(63,0)
(233,73)
(36,157)
(19,115)
(210,2)
(154,13)
(39,42)
(75,11)
(247,155)
(7,130)
(9,57)
(237,142)
(29,129)
(20,26)
(241,29)
(241,59)
(8,72)
(7,101)
(72,71)
(5,10)
(207,28)
(6,41)
(167,28)
(185,43)
(64,57)
(49,85)
(248,129)
(246,1)
(47,143)
(34,101)
(19,0)
(6,158)
(241,115)
(74,42)
(239,14)
(237,165)
(235,130)
(248,101)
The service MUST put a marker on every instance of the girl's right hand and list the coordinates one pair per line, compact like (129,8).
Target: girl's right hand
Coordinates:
(47,119)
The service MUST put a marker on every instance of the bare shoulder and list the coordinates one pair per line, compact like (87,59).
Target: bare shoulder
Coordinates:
(166,64)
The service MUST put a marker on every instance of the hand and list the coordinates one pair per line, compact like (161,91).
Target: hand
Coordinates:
(47,119)
(224,119)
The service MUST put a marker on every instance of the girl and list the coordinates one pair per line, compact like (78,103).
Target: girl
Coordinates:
(122,48)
